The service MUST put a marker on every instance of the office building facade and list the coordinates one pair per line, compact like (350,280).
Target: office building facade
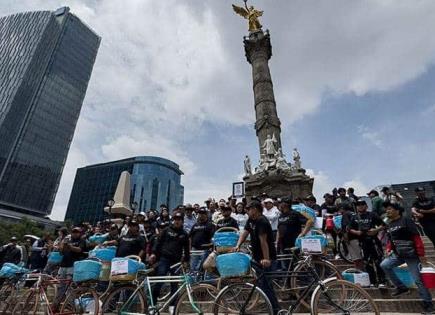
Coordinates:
(46,61)
(154,181)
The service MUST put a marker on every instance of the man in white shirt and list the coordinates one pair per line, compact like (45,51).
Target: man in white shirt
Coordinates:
(272,214)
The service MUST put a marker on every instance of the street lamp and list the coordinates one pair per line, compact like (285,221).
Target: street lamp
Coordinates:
(134,206)
(110,204)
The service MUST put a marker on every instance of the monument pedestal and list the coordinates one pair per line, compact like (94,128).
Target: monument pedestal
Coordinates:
(278,183)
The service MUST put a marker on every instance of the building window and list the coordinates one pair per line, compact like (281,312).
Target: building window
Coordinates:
(154,193)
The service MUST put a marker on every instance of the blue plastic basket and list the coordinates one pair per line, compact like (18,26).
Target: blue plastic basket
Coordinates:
(55,258)
(322,238)
(9,270)
(233,264)
(404,276)
(104,254)
(337,221)
(225,239)
(86,270)
(98,239)
(133,265)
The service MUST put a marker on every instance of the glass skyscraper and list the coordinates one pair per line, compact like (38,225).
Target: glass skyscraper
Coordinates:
(154,181)
(46,60)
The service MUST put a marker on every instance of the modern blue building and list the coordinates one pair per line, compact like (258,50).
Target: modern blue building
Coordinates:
(154,181)
(46,61)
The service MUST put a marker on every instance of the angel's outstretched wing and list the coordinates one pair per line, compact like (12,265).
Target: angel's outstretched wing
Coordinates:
(241,11)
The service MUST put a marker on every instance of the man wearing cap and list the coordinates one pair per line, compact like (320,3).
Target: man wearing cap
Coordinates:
(391,196)
(272,214)
(172,246)
(72,249)
(405,246)
(263,248)
(362,233)
(10,252)
(189,218)
(227,220)
(133,243)
(290,225)
(377,203)
(201,236)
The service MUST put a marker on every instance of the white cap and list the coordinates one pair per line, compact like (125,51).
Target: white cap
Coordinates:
(142,213)
(268,200)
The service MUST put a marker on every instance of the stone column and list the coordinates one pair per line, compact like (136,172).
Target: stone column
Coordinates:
(258,52)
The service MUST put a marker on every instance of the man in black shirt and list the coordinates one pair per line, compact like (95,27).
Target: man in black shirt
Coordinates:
(10,252)
(423,208)
(263,248)
(72,249)
(364,228)
(227,220)
(133,243)
(403,229)
(290,224)
(200,238)
(172,246)
(311,202)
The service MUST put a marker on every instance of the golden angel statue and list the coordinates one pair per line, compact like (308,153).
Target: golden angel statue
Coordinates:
(251,15)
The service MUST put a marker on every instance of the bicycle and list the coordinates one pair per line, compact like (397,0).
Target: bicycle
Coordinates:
(329,296)
(191,298)
(81,298)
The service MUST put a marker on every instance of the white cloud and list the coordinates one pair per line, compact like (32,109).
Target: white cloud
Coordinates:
(361,189)
(166,68)
(373,137)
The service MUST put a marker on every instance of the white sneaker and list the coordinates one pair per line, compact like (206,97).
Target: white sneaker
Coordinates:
(171,310)
(337,257)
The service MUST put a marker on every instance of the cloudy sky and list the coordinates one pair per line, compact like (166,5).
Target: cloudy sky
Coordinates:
(354,85)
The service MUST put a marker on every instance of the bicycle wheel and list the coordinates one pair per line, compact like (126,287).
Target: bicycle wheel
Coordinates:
(7,296)
(238,298)
(203,296)
(28,303)
(342,297)
(343,251)
(81,301)
(303,278)
(118,296)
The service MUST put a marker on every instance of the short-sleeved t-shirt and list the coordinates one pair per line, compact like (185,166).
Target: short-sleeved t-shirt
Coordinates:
(201,234)
(227,222)
(402,229)
(425,204)
(364,222)
(70,257)
(256,228)
(130,245)
(289,227)
(330,209)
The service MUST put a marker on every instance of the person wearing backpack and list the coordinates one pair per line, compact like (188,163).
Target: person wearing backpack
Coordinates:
(405,246)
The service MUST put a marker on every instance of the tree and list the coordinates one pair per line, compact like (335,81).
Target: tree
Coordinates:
(25,226)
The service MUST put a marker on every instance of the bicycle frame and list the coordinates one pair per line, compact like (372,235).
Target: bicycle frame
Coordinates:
(185,284)
(316,281)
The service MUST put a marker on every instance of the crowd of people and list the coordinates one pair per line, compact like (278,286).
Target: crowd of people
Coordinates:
(375,241)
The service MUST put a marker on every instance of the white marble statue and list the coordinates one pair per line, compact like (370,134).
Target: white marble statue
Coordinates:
(269,146)
(262,164)
(247,164)
(281,163)
(296,159)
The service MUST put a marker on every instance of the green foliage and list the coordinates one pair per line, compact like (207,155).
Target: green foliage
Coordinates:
(25,226)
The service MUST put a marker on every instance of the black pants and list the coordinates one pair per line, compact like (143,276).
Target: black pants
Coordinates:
(373,255)
(429,231)
(163,268)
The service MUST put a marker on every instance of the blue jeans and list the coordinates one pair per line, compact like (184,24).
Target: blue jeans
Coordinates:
(265,285)
(389,263)
(197,260)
